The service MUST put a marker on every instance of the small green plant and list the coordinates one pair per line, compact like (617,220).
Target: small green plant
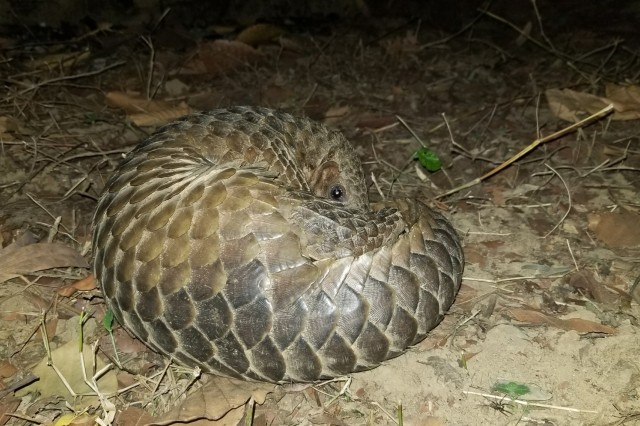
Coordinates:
(107,323)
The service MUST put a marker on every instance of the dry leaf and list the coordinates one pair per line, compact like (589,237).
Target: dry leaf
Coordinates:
(16,261)
(326,419)
(222,56)
(259,34)
(133,416)
(7,369)
(9,405)
(616,229)
(585,280)
(127,344)
(88,283)
(133,103)
(585,326)
(625,100)
(160,117)
(67,360)
(72,419)
(144,112)
(219,397)
(580,325)
(569,105)
(336,114)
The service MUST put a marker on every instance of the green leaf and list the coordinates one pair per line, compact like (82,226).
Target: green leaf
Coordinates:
(428,159)
(107,321)
(525,391)
(513,389)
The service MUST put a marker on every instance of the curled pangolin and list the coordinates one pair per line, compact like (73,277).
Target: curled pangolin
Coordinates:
(242,241)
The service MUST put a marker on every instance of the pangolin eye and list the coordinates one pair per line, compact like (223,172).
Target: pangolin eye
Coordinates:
(337,192)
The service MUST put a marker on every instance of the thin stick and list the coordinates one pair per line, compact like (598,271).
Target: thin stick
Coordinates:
(566,187)
(377,404)
(531,404)
(414,134)
(562,132)
(68,77)
(506,280)
(572,256)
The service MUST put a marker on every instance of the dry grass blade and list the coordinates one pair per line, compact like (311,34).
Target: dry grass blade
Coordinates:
(533,145)
(528,403)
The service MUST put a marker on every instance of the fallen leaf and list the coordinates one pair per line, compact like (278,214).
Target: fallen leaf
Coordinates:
(585,326)
(218,398)
(72,419)
(326,419)
(8,405)
(133,103)
(580,325)
(67,359)
(160,117)
(7,369)
(336,114)
(16,261)
(145,112)
(625,100)
(124,342)
(570,105)
(220,57)
(595,290)
(616,230)
(88,283)
(257,34)
(133,416)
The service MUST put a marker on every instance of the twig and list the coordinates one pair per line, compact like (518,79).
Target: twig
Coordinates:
(375,183)
(152,57)
(572,256)
(504,280)
(414,134)
(527,403)
(602,113)
(344,390)
(454,35)
(524,34)
(541,27)
(568,196)
(67,77)
(377,404)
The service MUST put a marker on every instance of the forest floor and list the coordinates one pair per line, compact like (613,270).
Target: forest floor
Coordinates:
(545,329)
